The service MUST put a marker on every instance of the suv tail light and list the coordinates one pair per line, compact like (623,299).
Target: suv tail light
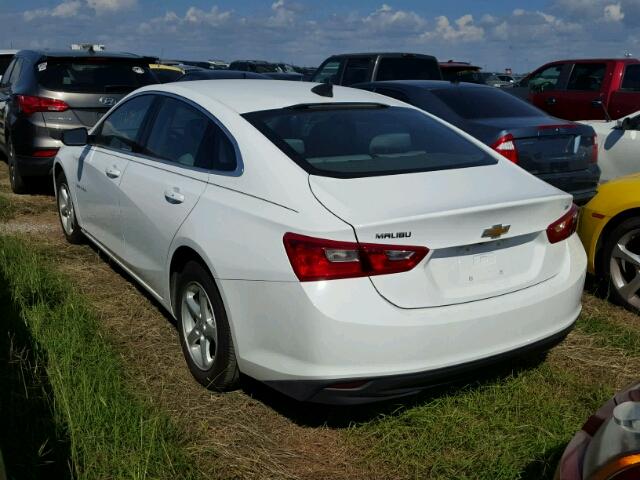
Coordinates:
(564,227)
(28,104)
(319,259)
(594,151)
(506,146)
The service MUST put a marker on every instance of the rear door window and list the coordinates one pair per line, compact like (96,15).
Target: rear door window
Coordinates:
(15,71)
(408,68)
(631,79)
(182,134)
(121,129)
(96,75)
(356,70)
(546,79)
(359,140)
(587,77)
(328,72)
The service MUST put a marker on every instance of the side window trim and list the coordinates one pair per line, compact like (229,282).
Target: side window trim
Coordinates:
(148,123)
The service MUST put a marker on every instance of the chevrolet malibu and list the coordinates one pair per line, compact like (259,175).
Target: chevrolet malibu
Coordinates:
(338,245)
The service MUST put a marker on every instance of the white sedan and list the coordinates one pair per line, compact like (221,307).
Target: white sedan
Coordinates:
(619,146)
(338,245)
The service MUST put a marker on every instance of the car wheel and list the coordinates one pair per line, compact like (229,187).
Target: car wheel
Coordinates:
(204,330)
(18,184)
(66,211)
(621,257)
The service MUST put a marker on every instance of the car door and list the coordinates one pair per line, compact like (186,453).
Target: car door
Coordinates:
(163,185)
(5,96)
(619,149)
(545,88)
(101,167)
(583,97)
(626,100)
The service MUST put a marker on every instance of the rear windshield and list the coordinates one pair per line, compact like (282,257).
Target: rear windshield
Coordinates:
(99,75)
(365,140)
(485,102)
(408,68)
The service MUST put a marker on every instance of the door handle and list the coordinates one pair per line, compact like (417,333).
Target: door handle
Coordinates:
(112,172)
(550,101)
(173,195)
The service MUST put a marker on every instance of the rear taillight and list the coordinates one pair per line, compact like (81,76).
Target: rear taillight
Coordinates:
(506,146)
(564,227)
(594,149)
(28,104)
(320,259)
(45,153)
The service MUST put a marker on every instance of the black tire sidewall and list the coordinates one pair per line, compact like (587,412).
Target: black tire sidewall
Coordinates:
(15,179)
(609,244)
(223,374)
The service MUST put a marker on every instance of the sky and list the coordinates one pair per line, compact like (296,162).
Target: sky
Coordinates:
(494,34)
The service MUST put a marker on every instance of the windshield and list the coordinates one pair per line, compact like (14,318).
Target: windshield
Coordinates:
(485,102)
(357,140)
(99,75)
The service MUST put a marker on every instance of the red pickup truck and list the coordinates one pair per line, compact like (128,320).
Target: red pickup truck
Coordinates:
(584,89)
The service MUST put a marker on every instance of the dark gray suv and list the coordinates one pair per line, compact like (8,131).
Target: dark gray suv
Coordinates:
(45,92)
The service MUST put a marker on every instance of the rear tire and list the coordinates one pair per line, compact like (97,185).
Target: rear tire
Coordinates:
(205,335)
(18,184)
(67,211)
(621,264)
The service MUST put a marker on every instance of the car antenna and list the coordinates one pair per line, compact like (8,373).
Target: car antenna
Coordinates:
(323,89)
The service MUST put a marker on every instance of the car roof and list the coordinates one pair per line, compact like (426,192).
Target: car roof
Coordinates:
(382,54)
(425,84)
(8,52)
(575,60)
(243,97)
(82,54)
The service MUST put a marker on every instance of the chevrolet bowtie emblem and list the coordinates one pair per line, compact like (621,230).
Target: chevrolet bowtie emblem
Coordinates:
(496,231)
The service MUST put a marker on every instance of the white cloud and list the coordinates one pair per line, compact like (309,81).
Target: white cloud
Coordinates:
(613,12)
(66,9)
(463,30)
(214,17)
(110,6)
(387,17)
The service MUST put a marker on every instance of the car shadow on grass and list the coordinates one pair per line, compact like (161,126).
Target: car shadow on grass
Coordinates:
(316,415)
(34,445)
(539,469)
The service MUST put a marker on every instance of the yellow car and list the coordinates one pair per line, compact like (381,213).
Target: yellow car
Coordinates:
(610,232)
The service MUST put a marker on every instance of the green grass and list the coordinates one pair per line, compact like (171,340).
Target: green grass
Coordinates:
(511,427)
(608,333)
(7,209)
(110,433)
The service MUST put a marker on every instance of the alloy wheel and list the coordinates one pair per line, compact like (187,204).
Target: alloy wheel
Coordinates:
(65,208)
(625,267)
(199,326)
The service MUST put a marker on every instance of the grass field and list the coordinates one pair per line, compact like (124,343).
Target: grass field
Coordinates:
(114,395)
(80,419)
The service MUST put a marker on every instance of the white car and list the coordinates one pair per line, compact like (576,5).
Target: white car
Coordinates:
(338,245)
(619,146)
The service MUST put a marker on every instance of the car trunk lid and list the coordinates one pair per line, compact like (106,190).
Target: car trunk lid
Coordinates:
(454,213)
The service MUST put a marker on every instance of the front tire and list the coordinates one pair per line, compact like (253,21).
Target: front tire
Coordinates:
(205,335)
(621,264)
(18,184)
(67,211)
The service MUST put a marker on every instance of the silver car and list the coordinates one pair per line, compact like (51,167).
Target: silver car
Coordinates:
(43,93)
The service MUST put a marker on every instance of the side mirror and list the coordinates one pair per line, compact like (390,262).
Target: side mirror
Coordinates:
(76,137)
(626,124)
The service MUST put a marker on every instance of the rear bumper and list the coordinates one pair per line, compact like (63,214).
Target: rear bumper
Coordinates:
(302,337)
(34,166)
(581,184)
(395,386)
